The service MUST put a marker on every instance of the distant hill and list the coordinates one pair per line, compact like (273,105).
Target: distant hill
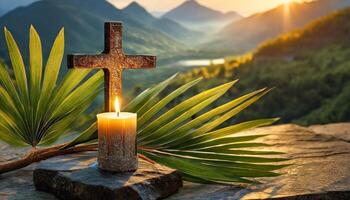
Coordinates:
(2,11)
(246,33)
(309,68)
(195,15)
(8,5)
(327,31)
(83,21)
(168,26)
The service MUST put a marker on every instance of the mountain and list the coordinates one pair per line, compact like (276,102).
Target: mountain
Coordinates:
(246,33)
(2,11)
(308,68)
(83,21)
(331,30)
(136,11)
(168,26)
(158,13)
(194,15)
(8,5)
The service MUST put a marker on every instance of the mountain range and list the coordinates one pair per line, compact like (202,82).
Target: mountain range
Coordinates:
(166,25)
(308,68)
(188,26)
(83,22)
(196,16)
(246,33)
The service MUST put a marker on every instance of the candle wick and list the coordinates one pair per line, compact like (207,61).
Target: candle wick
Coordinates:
(118,114)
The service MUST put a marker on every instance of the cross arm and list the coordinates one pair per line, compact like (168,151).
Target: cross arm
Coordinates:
(87,61)
(140,61)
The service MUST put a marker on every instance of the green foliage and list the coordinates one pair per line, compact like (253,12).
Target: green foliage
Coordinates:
(38,109)
(309,69)
(247,33)
(200,147)
(309,89)
(326,31)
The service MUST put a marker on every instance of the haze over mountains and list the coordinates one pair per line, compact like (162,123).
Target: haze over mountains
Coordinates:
(194,15)
(188,26)
(309,70)
(168,26)
(245,34)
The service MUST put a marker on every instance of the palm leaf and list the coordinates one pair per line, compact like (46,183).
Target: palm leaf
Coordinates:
(86,136)
(196,168)
(35,52)
(183,107)
(47,108)
(178,120)
(69,82)
(66,122)
(140,104)
(234,146)
(17,64)
(7,83)
(161,104)
(53,65)
(230,130)
(184,133)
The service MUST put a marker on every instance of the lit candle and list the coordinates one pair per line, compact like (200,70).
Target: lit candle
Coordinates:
(117,140)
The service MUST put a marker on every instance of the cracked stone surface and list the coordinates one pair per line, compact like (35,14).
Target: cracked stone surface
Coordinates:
(321,164)
(78,177)
(320,153)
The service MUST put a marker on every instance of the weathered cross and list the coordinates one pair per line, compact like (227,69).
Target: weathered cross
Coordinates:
(112,60)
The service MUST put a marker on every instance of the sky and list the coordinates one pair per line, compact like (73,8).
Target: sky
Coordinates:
(244,7)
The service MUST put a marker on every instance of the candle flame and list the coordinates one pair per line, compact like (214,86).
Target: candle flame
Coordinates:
(117,105)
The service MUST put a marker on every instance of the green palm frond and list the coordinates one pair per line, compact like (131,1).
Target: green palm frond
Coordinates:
(201,148)
(37,108)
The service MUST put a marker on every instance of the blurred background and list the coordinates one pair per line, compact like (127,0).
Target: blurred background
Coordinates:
(301,48)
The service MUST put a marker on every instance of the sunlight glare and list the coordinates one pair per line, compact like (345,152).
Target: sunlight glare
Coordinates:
(286,14)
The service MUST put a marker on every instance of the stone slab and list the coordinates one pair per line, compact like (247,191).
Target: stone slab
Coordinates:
(320,153)
(321,167)
(85,181)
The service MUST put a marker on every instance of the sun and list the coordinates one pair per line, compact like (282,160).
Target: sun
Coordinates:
(287,1)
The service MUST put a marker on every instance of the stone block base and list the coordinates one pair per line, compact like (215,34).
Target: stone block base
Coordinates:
(150,181)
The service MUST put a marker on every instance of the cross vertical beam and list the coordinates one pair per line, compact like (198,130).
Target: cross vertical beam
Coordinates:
(113,61)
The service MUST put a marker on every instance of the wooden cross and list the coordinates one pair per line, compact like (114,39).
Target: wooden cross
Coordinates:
(112,60)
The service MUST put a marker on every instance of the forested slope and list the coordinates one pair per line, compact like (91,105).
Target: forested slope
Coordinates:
(308,68)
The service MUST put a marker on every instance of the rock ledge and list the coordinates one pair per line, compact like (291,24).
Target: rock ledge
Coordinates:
(150,181)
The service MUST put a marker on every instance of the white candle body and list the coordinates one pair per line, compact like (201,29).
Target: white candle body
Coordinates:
(117,149)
